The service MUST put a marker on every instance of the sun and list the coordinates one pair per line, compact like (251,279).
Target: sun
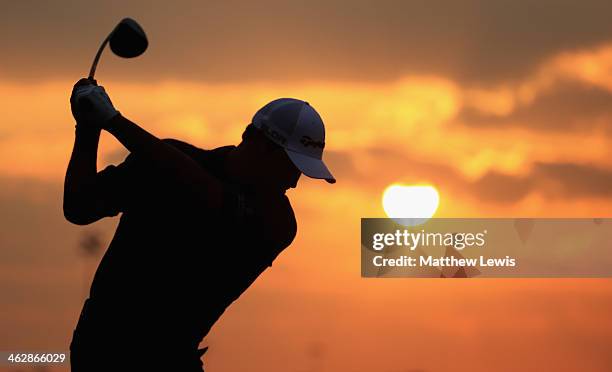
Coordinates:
(410,205)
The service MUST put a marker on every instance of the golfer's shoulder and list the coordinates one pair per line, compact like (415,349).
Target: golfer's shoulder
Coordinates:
(185,147)
(278,218)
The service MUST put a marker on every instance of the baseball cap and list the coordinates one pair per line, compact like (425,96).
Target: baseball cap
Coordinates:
(297,127)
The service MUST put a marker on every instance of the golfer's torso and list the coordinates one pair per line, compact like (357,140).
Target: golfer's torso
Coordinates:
(172,269)
(177,270)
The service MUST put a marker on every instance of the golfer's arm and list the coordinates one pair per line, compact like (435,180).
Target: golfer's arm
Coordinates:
(169,161)
(79,202)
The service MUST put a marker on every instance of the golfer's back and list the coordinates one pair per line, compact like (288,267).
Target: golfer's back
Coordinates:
(173,267)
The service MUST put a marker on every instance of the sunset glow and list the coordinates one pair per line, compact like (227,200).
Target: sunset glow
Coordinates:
(445,109)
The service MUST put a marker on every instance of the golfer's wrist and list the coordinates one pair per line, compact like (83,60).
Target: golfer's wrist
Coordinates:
(86,130)
(113,123)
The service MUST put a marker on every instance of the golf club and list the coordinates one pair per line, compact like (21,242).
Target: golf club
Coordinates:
(127,40)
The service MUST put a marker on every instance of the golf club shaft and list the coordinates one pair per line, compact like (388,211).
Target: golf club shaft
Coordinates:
(94,65)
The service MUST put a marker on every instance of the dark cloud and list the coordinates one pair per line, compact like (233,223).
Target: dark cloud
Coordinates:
(502,188)
(568,107)
(476,41)
(555,180)
(576,180)
(394,166)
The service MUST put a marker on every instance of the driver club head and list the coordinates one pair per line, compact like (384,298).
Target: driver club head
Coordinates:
(128,39)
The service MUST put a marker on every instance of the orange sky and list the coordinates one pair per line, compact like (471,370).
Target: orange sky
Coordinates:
(529,136)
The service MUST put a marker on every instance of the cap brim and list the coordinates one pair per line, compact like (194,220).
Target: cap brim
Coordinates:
(312,167)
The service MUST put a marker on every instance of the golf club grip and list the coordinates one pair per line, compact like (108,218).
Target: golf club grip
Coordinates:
(85,103)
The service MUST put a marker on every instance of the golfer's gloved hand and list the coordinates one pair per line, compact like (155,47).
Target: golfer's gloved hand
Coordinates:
(91,106)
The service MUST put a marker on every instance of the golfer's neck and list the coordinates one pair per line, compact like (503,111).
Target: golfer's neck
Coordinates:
(237,168)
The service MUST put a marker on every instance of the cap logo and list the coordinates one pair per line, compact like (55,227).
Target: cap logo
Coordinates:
(273,134)
(307,141)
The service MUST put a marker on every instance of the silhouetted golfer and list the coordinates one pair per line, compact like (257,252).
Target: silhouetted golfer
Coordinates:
(198,227)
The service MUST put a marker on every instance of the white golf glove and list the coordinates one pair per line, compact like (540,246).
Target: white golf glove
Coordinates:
(92,106)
